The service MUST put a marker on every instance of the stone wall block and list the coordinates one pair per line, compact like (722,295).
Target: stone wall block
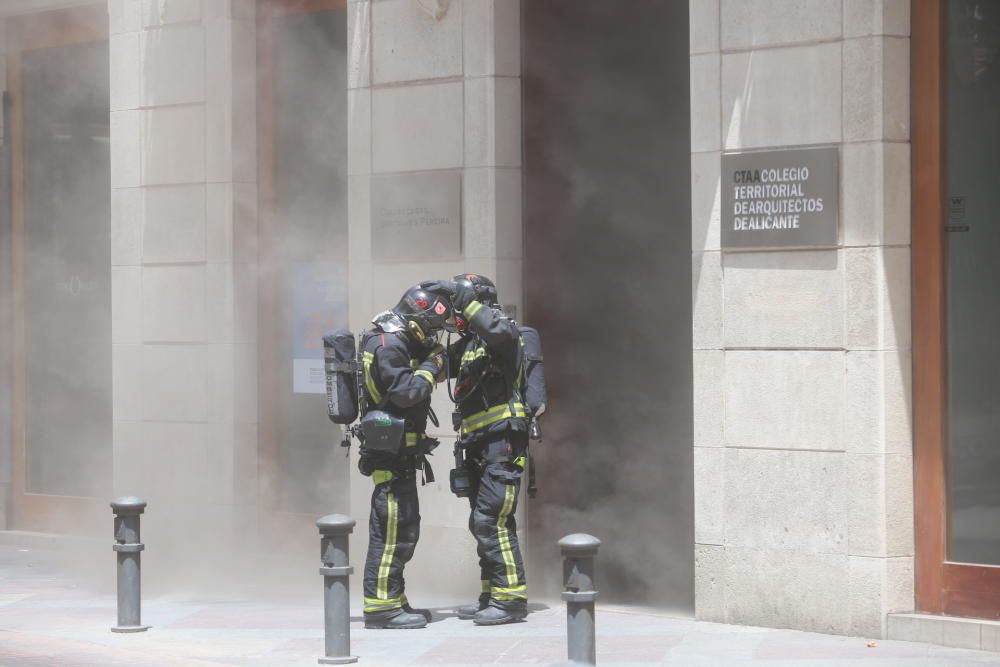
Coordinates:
(899,540)
(479,201)
(361,306)
(359,213)
(705,113)
(245,304)
(173,145)
(787,589)
(710,495)
(359,45)
(493,122)
(508,219)
(876,189)
(220,307)
(757,89)
(703,17)
(162,12)
(127,212)
(175,224)
(126,371)
(245,241)
(410,45)
(707,288)
(867,597)
(710,583)
(756,23)
(784,299)
(220,386)
(492,37)
(895,307)
(126,304)
(173,65)
(174,385)
(125,66)
(706,202)
(173,303)
(898,388)
(876,17)
(785,399)
(709,381)
(219,222)
(126,148)
(124,16)
(359,131)
(131,472)
(876,89)
(771,503)
(417,127)
(899,594)
(866,475)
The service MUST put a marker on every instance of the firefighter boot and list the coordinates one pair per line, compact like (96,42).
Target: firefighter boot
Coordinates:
(469,611)
(401,621)
(496,615)
(426,613)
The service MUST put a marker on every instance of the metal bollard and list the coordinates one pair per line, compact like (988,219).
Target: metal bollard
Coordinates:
(578,552)
(334,530)
(129,549)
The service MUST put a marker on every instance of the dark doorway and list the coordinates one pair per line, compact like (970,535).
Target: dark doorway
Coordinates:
(608,283)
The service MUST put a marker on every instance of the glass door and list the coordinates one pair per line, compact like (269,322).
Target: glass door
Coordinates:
(956,243)
(60,191)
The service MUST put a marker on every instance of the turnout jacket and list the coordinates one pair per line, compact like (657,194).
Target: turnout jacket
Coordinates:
(487,365)
(398,378)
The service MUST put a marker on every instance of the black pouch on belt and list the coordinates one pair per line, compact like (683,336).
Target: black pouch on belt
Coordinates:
(382,432)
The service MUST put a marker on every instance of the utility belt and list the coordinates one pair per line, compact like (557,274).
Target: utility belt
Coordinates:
(392,449)
(471,459)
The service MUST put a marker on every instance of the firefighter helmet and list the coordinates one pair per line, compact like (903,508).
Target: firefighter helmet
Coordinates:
(482,287)
(425,314)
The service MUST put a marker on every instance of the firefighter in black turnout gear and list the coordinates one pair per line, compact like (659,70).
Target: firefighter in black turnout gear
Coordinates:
(493,437)
(402,361)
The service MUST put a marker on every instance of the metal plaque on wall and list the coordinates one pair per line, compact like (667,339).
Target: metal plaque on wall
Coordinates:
(417,216)
(780,199)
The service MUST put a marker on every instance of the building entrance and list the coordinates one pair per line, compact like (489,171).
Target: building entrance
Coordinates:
(302,181)
(608,283)
(58,82)
(956,144)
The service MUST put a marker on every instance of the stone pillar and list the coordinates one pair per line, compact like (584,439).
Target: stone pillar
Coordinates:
(803,467)
(6,415)
(435,92)
(183,250)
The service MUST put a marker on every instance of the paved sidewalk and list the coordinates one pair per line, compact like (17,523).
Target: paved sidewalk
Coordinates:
(47,619)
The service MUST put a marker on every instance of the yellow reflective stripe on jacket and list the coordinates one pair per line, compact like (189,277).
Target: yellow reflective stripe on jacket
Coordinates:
(503,535)
(471,310)
(492,416)
(519,462)
(382,584)
(373,605)
(425,374)
(511,593)
(376,395)
(382,476)
(473,355)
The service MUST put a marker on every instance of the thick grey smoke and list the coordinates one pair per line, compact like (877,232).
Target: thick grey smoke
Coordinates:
(607,202)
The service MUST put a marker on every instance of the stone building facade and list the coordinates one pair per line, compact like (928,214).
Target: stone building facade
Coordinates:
(802,384)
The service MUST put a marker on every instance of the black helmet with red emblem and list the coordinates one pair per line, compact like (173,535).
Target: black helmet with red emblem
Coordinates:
(483,288)
(426,314)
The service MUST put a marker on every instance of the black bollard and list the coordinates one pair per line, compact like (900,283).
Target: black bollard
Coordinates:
(334,530)
(128,547)
(578,552)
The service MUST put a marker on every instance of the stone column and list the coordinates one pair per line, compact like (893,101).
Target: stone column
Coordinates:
(803,468)
(183,237)
(435,92)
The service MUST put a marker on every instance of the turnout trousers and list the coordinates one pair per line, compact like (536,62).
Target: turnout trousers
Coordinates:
(393,531)
(495,488)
